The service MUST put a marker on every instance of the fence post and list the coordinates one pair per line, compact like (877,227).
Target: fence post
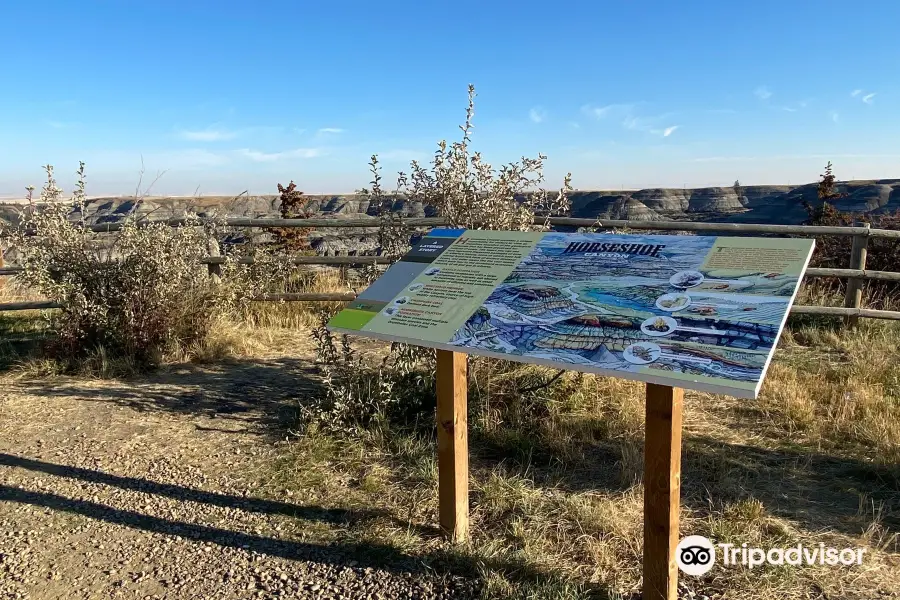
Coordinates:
(215,269)
(853,295)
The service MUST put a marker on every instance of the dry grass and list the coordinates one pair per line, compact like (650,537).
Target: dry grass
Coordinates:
(303,315)
(556,474)
(556,491)
(12,290)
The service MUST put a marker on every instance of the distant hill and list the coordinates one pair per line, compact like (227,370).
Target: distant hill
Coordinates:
(780,204)
(775,204)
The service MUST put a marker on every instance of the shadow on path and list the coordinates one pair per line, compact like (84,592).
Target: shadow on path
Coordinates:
(262,395)
(349,553)
(183,493)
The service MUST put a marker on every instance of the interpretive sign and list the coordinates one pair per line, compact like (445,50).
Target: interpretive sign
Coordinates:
(697,312)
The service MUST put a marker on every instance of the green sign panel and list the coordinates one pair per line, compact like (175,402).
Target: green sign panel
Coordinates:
(696,312)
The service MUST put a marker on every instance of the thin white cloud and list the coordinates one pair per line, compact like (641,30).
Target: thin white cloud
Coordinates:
(537,114)
(601,112)
(207,135)
(187,158)
(330,130)
(834,116)
(795,106)
(257,156)
(649,124)
(762,92)
(61,124)
(637,123)
(861,94)
(670,130)
(574,124)
(298,131)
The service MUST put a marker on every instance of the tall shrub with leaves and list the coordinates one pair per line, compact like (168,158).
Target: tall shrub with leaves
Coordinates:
(399,388)
(136,293)
(469,193)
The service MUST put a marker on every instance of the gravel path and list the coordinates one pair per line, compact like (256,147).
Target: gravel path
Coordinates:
(110,490)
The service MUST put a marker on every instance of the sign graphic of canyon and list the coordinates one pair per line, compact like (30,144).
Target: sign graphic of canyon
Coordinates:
(697,312)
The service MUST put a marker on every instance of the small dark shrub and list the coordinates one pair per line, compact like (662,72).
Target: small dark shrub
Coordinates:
(834,252)
(292,206)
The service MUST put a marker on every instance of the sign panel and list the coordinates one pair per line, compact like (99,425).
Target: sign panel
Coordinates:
(696,312)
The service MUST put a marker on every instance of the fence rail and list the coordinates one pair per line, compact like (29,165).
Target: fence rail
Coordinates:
(372,222)
(799,309)
(856,274)
(351,261)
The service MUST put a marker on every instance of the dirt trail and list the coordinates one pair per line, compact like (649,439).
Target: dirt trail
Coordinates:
(145,490)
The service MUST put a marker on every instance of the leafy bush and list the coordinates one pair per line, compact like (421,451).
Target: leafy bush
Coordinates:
(398,389)
(136,293)
(471,194)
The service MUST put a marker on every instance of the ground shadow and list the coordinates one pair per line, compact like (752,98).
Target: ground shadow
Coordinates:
(817,490)
(814,489)
(21,337)
(187,494)
(571,465)
(349,553)
(260,396)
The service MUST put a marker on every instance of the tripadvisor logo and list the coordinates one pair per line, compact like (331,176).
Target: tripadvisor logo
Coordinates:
(696,555)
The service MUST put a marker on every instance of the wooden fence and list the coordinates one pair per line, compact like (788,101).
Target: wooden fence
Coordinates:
(856,274)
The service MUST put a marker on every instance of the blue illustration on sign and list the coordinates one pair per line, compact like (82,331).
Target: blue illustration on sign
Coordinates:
(632,302)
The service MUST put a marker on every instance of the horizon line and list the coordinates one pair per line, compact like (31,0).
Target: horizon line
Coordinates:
(4,198)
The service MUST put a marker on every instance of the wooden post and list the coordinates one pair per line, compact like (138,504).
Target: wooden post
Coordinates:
(453,445)
(853,296)
(662,490)
(215,269)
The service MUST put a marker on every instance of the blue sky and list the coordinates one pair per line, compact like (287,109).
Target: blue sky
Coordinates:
(227,96)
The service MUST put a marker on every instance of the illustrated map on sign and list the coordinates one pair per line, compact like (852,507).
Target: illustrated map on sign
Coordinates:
(696,312)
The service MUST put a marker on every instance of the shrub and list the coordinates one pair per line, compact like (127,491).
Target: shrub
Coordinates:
(292,206)
(834,252)
(399,389)
(137,293)
(471,194)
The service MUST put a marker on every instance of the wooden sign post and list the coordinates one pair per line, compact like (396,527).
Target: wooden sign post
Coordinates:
(453,444)
(662,471)
(662,490)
